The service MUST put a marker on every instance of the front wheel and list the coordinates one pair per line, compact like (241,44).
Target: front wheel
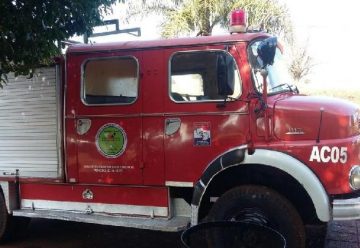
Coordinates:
(264,206)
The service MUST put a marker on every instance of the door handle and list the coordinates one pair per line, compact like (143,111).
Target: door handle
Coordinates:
(172,125)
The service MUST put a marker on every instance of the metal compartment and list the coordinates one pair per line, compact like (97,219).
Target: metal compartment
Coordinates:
(30,136)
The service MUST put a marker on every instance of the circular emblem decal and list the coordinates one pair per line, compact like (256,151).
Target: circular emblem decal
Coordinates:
(111,140)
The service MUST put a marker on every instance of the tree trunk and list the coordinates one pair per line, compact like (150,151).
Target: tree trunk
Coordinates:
(204,16)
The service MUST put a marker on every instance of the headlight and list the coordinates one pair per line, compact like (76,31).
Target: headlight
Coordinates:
(355,177)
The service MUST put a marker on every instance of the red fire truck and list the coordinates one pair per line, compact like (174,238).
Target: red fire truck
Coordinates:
(163,134)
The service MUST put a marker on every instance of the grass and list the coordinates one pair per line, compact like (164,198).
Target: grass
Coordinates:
(352,95)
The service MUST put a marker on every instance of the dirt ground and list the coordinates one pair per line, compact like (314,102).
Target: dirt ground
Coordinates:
(60,234)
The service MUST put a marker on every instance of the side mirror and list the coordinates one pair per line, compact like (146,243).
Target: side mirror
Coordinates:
(266,51)
(225,75)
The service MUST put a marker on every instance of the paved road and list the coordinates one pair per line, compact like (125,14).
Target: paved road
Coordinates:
(343,234)
(59,234)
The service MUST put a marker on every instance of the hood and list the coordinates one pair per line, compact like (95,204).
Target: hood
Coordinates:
(302,117)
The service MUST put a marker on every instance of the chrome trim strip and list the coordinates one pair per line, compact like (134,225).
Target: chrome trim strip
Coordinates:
(179,184)
(160,115)
(206,113)
(175,224)
(295,133)
(96,207)
(346,209)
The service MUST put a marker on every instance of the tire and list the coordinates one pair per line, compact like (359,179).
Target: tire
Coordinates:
(315,235)
(264,206)
(4,220)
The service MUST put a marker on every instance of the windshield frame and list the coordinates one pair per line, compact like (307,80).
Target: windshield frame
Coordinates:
(287,87)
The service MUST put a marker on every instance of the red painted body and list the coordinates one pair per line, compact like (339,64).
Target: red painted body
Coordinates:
(145,196)
(152,159)
(305,111)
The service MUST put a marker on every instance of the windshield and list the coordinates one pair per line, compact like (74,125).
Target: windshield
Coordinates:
(278,79)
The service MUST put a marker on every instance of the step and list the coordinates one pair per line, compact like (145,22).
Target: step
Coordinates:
(175,224)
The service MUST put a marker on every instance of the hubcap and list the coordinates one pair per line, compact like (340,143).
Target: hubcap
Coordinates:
(251,215)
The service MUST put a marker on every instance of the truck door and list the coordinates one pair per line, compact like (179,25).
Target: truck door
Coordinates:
(106,119)
(200,123)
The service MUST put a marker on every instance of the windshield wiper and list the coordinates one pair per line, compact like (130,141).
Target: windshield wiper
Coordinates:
(281,85)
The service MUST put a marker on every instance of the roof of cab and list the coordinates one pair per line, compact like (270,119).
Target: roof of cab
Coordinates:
(163,43)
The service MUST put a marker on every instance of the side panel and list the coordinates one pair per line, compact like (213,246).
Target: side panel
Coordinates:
(29,125)
(146,201)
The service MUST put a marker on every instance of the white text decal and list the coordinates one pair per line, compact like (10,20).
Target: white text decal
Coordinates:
(328,154)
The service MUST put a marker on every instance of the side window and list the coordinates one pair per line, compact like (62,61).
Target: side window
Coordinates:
(196,76)
(110,81)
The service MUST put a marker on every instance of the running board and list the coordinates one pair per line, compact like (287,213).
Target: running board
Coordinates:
(174,224)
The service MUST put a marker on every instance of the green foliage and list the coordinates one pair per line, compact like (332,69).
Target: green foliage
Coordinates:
(31,29)
(186,17)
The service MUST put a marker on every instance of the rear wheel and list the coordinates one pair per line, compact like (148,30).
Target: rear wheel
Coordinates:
(4,220)
(264,206)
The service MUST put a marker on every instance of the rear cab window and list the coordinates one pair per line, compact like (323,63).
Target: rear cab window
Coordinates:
(110,81)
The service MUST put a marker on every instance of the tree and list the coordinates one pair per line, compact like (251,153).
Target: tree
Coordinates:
(184,17)
(300,62)
(31,29)
(199,17)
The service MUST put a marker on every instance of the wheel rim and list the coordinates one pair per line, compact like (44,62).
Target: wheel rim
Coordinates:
(251,215)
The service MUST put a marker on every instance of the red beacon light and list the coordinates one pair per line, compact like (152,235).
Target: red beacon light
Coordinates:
(238,21)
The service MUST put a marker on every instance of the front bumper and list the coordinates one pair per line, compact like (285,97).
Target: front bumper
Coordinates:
(346,209)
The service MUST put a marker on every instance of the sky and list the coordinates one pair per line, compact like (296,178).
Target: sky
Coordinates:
(330,30)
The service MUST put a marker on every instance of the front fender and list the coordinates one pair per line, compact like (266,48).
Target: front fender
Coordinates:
(295,168)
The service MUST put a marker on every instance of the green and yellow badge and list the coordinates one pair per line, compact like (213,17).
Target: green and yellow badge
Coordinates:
(111,140)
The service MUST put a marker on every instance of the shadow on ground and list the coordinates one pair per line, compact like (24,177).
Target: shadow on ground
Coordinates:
(60,234)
